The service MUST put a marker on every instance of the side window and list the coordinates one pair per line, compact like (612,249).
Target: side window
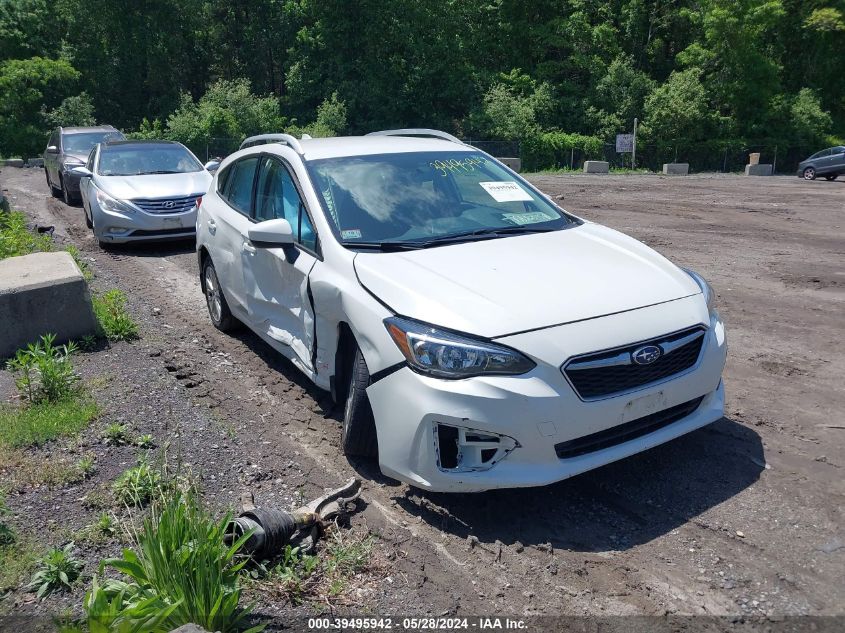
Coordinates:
(277,197)
(54,138)
(238,186)
(90,163)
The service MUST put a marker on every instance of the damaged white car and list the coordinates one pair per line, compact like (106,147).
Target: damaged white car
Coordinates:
(477,335)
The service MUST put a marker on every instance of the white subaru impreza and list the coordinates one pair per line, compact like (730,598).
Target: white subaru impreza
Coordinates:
(478,335)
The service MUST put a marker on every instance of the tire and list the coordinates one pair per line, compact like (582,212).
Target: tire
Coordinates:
(809,173)
(358,436)
(68,198)
(831,178)
(218,310)
(88,221)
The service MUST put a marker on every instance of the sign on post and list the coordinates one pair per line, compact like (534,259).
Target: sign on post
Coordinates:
(624,143)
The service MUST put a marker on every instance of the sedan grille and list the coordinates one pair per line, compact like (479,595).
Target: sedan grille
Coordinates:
(611,372)
(625,432)
(167,205)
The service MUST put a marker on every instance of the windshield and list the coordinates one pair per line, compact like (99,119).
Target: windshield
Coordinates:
(82,143)
(423,196)
(154,159)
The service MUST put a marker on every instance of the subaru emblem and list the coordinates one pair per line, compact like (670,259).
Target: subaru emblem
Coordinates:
(646,355)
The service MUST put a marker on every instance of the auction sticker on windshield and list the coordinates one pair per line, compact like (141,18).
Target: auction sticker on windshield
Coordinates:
(506,191)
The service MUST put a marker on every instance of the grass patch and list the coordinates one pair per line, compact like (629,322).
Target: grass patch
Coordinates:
(114,319)
(16,238)
(40,423)
(115,434)
(17,560)
(21,472)
(139,485)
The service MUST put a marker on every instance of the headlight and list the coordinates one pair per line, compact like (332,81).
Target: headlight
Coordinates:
(706,289)
(443,354)
(110,205)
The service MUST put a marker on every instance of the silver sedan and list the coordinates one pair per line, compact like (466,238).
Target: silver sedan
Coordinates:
(141,190)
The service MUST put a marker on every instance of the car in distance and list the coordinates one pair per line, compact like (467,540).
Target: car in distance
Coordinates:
(68,147)
(141,190)
(828,163)
(477,335)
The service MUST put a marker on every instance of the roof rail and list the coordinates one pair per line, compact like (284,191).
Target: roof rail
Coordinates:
(286,139)
(418,131)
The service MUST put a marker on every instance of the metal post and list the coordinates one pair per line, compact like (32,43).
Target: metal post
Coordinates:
(775,161)
(634,148)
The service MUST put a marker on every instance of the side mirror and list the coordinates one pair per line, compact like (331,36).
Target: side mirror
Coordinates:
(212,165)
(82,172)
(271,234)
(52,149)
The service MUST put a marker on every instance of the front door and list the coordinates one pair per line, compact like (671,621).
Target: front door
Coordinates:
(276,279)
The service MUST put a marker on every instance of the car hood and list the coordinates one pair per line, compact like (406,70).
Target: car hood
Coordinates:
(502,286)
(155,185)
(74,157)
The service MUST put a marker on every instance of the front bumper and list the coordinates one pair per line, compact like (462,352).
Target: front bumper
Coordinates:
(71,180)
(119,228)
(539,410)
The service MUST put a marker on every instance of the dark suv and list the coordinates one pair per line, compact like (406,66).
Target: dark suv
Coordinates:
(829,163)
(67,148)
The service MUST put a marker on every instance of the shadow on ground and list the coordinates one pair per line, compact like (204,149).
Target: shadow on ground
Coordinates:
(616,507)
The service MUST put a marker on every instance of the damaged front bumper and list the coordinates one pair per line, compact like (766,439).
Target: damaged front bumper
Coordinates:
(531,430)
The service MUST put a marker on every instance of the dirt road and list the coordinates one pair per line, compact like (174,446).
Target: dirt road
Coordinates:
(742,517)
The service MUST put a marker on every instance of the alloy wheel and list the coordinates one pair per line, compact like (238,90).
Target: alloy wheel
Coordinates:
(212,294)
(809,174)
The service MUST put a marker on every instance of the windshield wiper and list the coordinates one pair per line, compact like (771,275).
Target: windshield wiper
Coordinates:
(386,246)
(162,171)
(484,234)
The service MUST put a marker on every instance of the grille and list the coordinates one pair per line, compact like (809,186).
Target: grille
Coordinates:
(188,230)
(612,372)
(625,432)
(167,205)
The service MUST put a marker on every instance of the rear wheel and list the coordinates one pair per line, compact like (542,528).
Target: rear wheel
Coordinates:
(359,428)
(809,174)
(67,196)
(831,177)
(53,191)
(218,309)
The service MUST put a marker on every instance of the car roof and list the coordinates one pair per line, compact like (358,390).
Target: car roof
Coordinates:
(338,146)
(93,128)
(140,143)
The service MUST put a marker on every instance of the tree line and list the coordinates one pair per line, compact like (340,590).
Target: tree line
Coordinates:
(549,73)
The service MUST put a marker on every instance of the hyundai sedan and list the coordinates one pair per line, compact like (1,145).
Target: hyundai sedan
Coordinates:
(476,335)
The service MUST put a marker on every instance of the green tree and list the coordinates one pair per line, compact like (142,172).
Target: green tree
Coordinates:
(29,28)
(620,96)
(811,123)
(76,110)
(678,110)
(27,86)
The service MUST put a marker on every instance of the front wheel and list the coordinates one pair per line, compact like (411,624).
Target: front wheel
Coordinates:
(359,428)
(68,198)
(218,309)
(53,191)
(809,174)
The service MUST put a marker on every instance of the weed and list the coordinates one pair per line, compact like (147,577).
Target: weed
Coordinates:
(145,441)
(99,499)
(86,466)
(179,569)
(16,238)
(56,571)
(102,530)
(44,372)
(23,472)
(137,486)
(84,268)
(17,560)
(7,533)
(40,423)
(115,434)
(88,343)
(114,319)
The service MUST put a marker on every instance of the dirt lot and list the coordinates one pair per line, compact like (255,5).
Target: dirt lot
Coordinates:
(742,517)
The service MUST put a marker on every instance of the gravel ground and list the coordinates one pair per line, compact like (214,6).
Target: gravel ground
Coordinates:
(743,517)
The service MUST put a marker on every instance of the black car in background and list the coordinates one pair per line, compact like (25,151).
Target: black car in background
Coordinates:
(67,148)
(828,163)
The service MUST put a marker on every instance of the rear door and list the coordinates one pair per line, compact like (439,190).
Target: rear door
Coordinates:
(227,217)
(838,159)
(276,279)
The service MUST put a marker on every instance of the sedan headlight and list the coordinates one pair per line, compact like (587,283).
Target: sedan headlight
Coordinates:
(706,289)
(111,205)
(443,354)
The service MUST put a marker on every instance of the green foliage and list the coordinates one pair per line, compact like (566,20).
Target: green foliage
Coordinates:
(44,371)
(76,110)
(331,120)
(139,485)
(86,466)
(57,571)
(34,425)
(513,108)
(115,434)
(812,124)
(7,533)
(179,572)
(113,317)
(620,96)
(678,109)
(27,86)
(144,441)
(557,148)
(16,238)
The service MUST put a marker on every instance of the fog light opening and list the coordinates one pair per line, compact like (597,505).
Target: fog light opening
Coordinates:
(462,449)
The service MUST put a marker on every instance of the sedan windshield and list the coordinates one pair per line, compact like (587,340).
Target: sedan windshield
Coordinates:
(83,142)
(137,160)
(423,199)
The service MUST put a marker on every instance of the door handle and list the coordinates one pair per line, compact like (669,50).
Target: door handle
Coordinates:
(249,248)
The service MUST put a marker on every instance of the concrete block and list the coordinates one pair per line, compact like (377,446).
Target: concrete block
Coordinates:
(676,169)
(35,162)
(13,162)
(754,159)
(42,293)
(596,167)
(513,163)
(758,170)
